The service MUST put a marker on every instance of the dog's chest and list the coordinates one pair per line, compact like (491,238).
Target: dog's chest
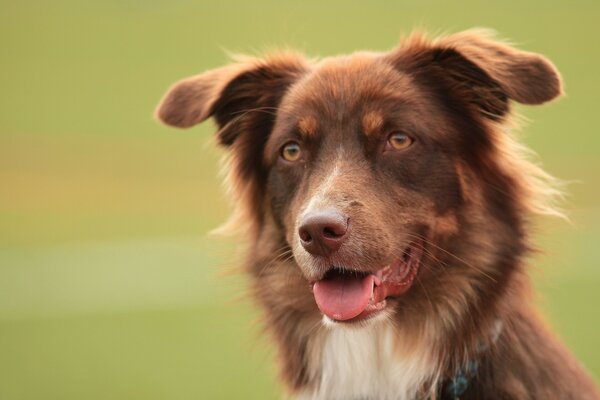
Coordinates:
(364,363)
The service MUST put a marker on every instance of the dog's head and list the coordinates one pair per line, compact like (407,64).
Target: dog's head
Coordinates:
(389,176)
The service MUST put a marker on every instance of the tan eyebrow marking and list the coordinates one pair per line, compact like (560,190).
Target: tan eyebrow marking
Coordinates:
(308,126)
(372,122)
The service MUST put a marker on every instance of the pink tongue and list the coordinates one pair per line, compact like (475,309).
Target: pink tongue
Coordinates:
(343,297)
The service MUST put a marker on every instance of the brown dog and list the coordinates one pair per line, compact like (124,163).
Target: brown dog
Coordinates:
(388,210)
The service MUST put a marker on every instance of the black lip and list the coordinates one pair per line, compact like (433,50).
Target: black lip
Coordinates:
(335,270)
(340,271)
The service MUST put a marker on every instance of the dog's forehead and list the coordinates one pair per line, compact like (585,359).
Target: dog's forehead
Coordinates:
(341,86)
(361,93)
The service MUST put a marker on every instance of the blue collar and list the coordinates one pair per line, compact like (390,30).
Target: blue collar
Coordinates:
(459,383)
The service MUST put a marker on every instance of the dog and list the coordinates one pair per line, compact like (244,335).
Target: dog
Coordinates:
(388,211)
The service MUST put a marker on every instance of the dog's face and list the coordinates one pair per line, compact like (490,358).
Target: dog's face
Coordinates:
(360,163)
(377,171)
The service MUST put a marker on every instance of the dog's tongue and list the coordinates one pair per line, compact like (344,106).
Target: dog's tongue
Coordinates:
(343,297)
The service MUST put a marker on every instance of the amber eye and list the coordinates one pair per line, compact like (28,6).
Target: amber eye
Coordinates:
(291,151)
(399,141)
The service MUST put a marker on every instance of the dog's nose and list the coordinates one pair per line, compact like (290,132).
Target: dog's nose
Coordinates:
(322,232)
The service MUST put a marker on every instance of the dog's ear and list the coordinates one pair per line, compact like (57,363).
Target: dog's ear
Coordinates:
(241,96)
(483,71)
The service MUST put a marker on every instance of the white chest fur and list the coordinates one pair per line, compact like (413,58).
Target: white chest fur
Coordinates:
(364,363)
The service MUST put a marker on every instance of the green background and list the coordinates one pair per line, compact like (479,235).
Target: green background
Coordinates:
(110,287)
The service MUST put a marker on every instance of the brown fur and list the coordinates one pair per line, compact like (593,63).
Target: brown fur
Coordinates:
(465,185)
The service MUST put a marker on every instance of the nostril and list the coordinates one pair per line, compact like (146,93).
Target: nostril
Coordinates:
(329,233)
(335,229)
(305,236)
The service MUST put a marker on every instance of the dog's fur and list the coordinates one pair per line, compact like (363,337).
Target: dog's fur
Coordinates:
(465,186)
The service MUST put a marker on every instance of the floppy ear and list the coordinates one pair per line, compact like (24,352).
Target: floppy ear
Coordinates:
(243,99)
(241,96)
(483,71)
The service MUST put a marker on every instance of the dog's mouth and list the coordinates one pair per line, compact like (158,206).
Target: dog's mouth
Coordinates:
(348,295)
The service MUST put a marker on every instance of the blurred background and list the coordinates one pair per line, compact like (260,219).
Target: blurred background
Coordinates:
(110,287)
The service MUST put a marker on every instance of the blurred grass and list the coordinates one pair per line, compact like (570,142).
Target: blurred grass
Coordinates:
(109,287)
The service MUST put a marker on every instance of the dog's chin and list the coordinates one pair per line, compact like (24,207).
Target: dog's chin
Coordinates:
(381,316)
(347,295)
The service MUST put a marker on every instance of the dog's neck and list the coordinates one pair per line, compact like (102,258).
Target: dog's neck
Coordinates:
(370,362)
(373,362)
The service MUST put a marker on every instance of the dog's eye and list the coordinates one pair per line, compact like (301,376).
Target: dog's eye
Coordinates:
(291,151)
(399,141)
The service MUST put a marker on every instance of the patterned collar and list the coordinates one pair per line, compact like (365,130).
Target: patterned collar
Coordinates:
(459,383)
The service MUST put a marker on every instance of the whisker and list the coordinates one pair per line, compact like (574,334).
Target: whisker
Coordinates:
(283,254)
(428,242)
(425,291)
(266,110)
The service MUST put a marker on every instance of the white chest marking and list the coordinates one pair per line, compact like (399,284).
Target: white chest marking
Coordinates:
(362,363)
